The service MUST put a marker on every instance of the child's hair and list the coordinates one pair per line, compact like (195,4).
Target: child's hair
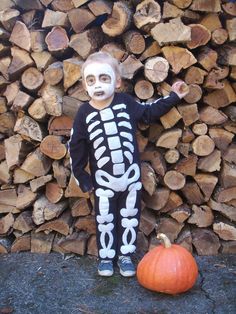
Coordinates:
(103,57)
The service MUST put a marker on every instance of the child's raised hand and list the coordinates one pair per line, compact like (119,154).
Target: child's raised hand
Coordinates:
(180,88)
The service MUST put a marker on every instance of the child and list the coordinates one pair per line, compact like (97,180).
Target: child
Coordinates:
(104,134)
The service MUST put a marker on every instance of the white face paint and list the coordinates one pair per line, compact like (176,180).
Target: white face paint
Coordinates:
(100,80)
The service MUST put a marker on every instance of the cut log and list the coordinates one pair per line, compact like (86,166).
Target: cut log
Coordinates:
(5,176)
(21,102)
(134,42)
(25,197)
(205,241)
(230,26)
(86,224)
(24,222)
(61,225)
(28,17)
(203,145)
(73,190)
(60,125)
(148,14)
(189,113)
(202,216)
(39,182)
(6,224)
(226,210)
(149,179)
(193,194)
(157,161)
(86,42)
(200,128)
(42,59)
(62,5)
(37,40)
(211,21)
(119,20)
(169,139)
(20,148)
(55,18)
(173,32)
(115,49)
(182,4)
(212,116)
(200,36)
(78,3)
(8,200)
(92,245)
(21,244)
(228,175)
(21,176)
(206,6)
(170,118)
(53,147)
(54,192)
(185,239)
(37,163)
(57,40)
(221,98)
(226,55)
(77,95)
(194,94)
(79,24)
(20,62)
(75,243)
(207,183)
(147,221)
(151,51)
(210,163)
(37,110)
(228,247)
(54,73)
(174,180)
(72,71)
(79,207)
(8,18)
(219,36)
(194,75)
(29,128)
(230,154)
(173,202)
(180,213)
(225,231)
(32,79)
(207,58)
(144,89)
(221,138)
(41,242)
(172,156)
(100,7)
(52,97)
(20,36)
(226,195)
(158,200)
(187,166)
(169,227)
(7,122)
(60,173)
(11,91)
(171,11)
(156,69)
(130,66)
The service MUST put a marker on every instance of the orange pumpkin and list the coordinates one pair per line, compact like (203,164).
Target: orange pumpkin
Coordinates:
(168,268)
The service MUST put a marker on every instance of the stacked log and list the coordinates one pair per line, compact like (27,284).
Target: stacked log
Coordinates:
(188,158)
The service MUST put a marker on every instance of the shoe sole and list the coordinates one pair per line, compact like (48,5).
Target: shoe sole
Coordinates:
(127,273)
(105,273)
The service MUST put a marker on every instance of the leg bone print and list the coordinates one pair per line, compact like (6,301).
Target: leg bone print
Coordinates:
(111,127)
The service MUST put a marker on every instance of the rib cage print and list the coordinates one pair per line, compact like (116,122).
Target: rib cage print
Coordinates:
(110,133)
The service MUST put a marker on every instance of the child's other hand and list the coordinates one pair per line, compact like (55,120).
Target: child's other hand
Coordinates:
(180,88)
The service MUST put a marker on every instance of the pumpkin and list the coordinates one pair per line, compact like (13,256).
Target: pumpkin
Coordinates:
(167,268)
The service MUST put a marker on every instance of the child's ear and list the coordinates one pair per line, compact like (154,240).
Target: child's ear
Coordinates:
(118,82)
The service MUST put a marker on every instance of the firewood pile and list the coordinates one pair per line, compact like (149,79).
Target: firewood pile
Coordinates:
(188,158)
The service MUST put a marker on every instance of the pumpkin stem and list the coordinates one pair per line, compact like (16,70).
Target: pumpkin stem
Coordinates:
(164,239)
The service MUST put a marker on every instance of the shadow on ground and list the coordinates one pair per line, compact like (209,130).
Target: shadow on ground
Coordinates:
(48,283)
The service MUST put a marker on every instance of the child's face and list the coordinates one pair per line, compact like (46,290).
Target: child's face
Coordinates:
(100,81)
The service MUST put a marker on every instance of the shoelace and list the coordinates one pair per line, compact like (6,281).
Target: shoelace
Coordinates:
(125,259)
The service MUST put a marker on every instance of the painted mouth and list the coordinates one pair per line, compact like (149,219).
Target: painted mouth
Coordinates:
(98,94)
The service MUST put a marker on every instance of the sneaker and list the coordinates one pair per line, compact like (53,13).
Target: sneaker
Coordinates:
(105,268)
(126,266)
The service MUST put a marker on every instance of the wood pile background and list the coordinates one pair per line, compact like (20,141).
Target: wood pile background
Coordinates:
(188,168)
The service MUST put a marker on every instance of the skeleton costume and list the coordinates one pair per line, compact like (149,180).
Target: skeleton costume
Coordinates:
(106,138)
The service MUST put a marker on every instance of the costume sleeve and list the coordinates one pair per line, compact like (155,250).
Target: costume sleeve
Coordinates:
(151,112)
(78,147)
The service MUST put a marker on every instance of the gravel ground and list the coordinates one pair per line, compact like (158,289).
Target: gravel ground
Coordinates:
(48,283)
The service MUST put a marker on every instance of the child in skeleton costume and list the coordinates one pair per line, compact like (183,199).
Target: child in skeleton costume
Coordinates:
(104,134)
